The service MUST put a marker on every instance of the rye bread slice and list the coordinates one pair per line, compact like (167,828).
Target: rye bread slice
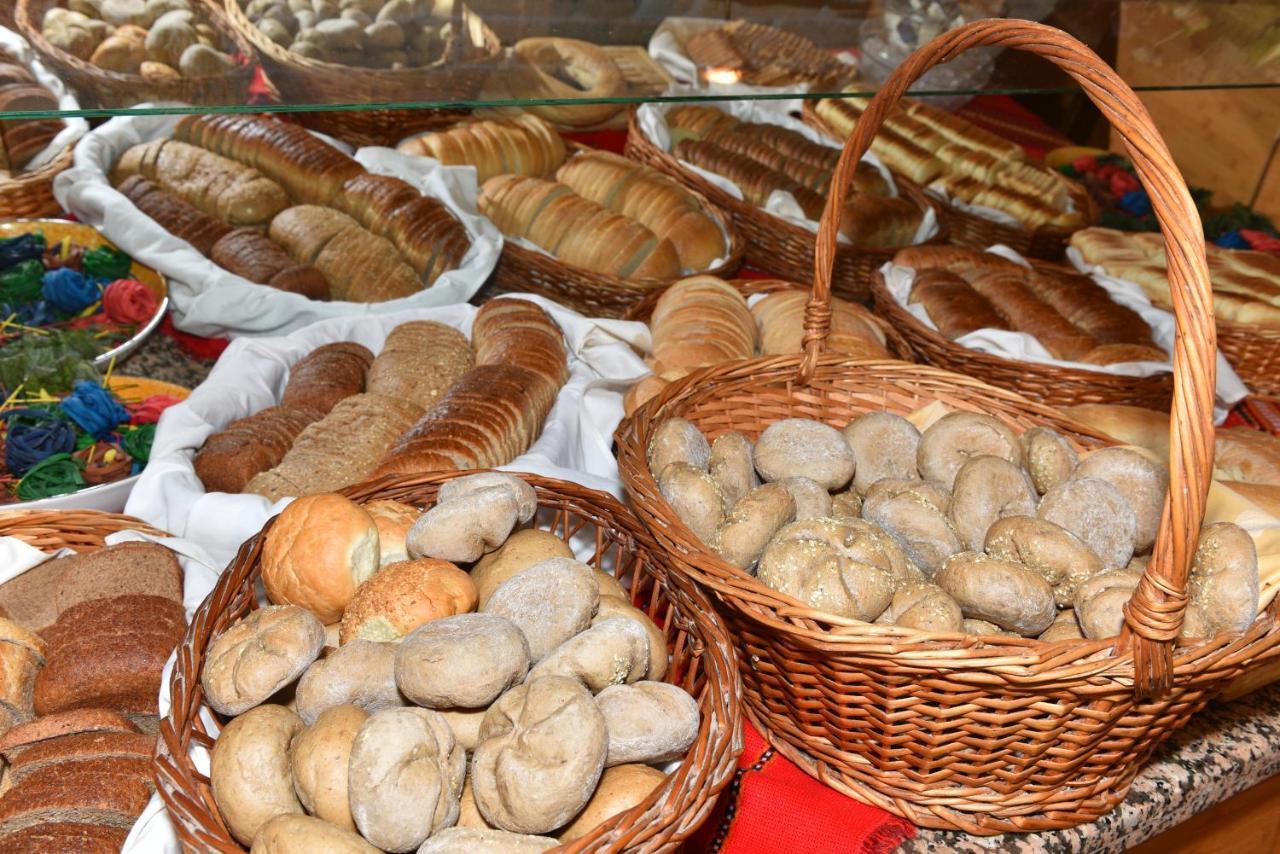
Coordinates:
(79,747)
(63,724)
(119,786)
(61,837)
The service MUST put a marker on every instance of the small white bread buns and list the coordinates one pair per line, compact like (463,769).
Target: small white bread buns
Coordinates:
(361,673)
(320,549)
(521,550)
(406,775)
(542,750)
(249,770)
(302,834)
(476,840)
(404,596)
(465,661)
(611,652)
(467,527)
(648,722)
(613,606)
(526,498)
(319,759)
(620,789)
(394,519)
(258,655)
(549,602)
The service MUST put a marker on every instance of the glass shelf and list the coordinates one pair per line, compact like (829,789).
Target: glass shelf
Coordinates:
(1157,45)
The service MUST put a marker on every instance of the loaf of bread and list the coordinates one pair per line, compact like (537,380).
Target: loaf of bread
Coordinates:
(696,121)
(700,321)
(178,217)
(880,222)
(327,375)
(249,253)
(420,361)
(23,139)
(1014,301)
(646,195)
(519,333)
(854,330)
(360,266)
(523,146)
(576,230)
(233,456)
(22,653)
(221,188)
(1088,305)
(756,180)
(898,150)
(953,305)
(764,55)
(423,229)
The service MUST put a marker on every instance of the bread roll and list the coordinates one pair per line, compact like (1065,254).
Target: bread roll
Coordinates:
(1048,457)
(926,607)
(464,529)
(612,606)
(915,513)
(258,655)
(465,661)
(621,788)
(359,673)
(393,520)
(521,550)
(249,770)
(884,445)
(301,834)
(809,560)
(608,652)
(732,467)
(1059,555)
(404,596)
(955,437)
(1097,513)
(1142,481)
(695,497)
(1003,592)
(474,840)
(549,602)
(524,146)
(751,524)
(988,489)
(801,447)
(319,759)
(1223,581)
(648,722)
(677,440)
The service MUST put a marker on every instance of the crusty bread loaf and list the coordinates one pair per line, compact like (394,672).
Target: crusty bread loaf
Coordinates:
(756,180)
(701,321)
(1013,300)
(523,146)
(57,726)
(110,792)
(953,305)
(252,255)
(419,361)
(21,655)
(516,332)
(326,375)
(79,747)
(780,320)
(59,837)
(359,265)
(230,458)
(880,222)
(176,216)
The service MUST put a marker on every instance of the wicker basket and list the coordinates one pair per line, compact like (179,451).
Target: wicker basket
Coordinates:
(773,244)
(98,88)
(29,195)
(702,663)
(985,735)
(78,530)
(1048,243)
(1254,351)
(1054,385)
(303,80)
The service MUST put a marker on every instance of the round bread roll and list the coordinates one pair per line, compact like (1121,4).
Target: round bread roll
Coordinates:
(465,528)
(621,788)
(465,724)
(926,607)
(319,758)
(752,523)
(611,652)
(613,606)
(476,840)
(1054,552)
(801,447)
(812,561)
(648,722)
(465,661)
(914,513)
(677,441)
(885,446)
(1122,578)
(302,834)
(812,501)
(393,520)
(521,550)
(258,655)
(609,585)
(641,392)
(406,775)
(950,441)
(1064,627)
(542,67)
(360,673)
(318,551)
(732,466)
(695,497)
(249,770)
(847,503)
(986,489)
(549,603)
(1048,457)
(1097,513)
(405,595)
(1224,579)
(1099,602)
(522,492)
(1003,592)
(331,635)
(542,750)
(1142,481)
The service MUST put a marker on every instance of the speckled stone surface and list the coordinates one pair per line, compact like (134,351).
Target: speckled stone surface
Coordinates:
(1224,750)
(160,358)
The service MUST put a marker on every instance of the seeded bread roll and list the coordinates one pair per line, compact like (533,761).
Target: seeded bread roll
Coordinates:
(1003,592)
(405,595)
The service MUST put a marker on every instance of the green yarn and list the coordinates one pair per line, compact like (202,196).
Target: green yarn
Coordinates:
(137,442)
(22,283)
(55,475)
(106,263)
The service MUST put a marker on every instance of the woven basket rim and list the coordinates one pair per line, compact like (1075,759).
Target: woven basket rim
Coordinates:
(49,530)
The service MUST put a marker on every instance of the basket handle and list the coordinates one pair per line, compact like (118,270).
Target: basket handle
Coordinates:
(1153,617)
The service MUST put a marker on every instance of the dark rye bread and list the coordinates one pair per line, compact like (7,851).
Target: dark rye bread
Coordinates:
(327,375)
(65,837)
(61,725)
(108,653)
(94,791)
(79,747)
(248,446)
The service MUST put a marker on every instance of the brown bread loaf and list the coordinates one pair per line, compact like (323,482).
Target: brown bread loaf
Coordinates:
(232,457)
(953,305)
(1088,305)
(178,217)
(359,265)
(756,180)
(419,361)
(327,375)
(59,837)
(57,726)
(423,229)
(523,146)
(252,255)
(104,792)
(1023,311)
(518,332)
(80,747)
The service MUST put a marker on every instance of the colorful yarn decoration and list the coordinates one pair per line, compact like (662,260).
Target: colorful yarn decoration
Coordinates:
(1231,240)
(94,408)
(148,411)
(1136,202)
(38,313)
(103,462)
(21,282)
(84,440)
(1261,241)
(106,264)
(24,247)
(137,444)
(129,301)
(33,436)
(69,291)
(64,254)
(55,475)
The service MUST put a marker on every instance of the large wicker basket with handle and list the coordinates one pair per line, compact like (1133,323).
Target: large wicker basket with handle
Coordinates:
(701,662)
(992,734)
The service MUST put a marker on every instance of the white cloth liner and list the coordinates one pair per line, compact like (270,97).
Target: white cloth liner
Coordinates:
(651,118)
(1024,347)
(72,128)
(208,300)
(575,443)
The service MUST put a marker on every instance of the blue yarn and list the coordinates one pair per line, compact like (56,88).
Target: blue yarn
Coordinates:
(24,247)
(70,291)
(38,313)
(33,435)
(1136,202)
(94,409)
(1232,240)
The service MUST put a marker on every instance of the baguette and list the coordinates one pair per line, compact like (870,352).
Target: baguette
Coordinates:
(1009,294)
(953,305)
(524,146)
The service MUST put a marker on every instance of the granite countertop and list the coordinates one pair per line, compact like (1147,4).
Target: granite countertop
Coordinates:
(1224,750)
(160,358)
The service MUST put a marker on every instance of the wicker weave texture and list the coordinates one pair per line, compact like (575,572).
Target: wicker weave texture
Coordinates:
(1254,351)
(702,662)
(29,195)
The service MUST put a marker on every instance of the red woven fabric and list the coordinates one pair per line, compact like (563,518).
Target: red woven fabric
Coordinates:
(772,806)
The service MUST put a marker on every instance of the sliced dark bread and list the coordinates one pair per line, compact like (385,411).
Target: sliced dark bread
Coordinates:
(115,790)
(59,725)
(63,837)
(80,747)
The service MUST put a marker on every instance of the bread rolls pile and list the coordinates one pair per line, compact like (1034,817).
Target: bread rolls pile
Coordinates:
(761,159)
(275,205)
(1072,316)
(511,707)
(160,40)
(430,401)
(23,139)
(930,145)
(1246,285)
(703,321)
(964,527)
